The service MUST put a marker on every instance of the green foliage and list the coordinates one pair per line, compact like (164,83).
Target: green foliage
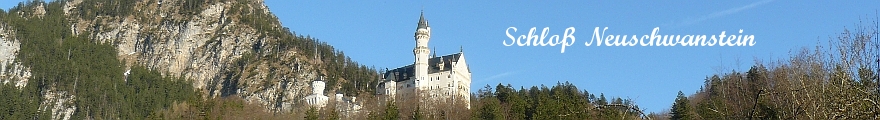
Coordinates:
(60,61)
(191,7)
(20,103)
(2,13)
(91,9)
(490,110)
(681,110)
(830,82)
(338,69)
(562,101)
(391,111)
(312,114)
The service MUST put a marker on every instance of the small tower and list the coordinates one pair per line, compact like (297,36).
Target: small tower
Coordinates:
(317,98)
(421,51)
(318,86)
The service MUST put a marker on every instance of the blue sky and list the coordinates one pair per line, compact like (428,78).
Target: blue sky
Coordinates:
(380,33)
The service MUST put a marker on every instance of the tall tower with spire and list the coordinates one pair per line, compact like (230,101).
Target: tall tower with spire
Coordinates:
(438,76)
(421,51)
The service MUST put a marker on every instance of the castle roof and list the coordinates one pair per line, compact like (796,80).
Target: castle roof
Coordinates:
(422,22)
(405,72)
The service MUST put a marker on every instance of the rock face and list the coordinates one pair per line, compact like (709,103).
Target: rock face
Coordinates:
(59,102)
(187,47)
(202,47)
(206,47)
(11,71)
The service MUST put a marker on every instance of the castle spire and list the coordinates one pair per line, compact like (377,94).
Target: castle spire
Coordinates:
(461,49)
(422,22)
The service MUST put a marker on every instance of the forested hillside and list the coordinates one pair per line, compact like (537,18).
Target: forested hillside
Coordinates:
(88,74)
(74,62)
(834,81)
(215,59)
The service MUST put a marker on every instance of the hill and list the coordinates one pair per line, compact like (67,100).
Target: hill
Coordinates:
(92,58)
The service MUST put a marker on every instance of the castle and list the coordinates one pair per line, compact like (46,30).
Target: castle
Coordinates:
(348,106)
(446,76)
(437,76)
(317,98)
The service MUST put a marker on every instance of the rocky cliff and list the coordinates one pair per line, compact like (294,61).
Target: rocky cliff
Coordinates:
(224,47)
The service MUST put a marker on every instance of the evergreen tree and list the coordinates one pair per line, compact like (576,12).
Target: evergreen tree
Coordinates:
(391,111)
(680,109)
(601,100)
(518,106)
(489,105)
(312,114)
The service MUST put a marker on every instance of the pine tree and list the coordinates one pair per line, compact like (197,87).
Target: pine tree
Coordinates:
(490,109)
(312,114)
(518,107)
(391,111)
(601,100)
(680,109)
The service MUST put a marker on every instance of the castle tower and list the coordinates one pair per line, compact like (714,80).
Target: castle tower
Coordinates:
(317,98)
(318,86)
(421,51)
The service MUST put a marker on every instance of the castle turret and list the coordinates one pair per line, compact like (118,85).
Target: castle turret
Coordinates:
(318,87)
(317,98)
(421,51)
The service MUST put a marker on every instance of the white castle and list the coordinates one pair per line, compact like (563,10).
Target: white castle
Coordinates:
(438,76)
(317,98)
(347,106)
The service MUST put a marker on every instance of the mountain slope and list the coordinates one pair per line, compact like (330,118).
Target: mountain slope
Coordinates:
(52,51)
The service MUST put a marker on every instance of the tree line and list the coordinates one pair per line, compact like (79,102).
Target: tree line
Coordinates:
(563,101)
(836,81)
